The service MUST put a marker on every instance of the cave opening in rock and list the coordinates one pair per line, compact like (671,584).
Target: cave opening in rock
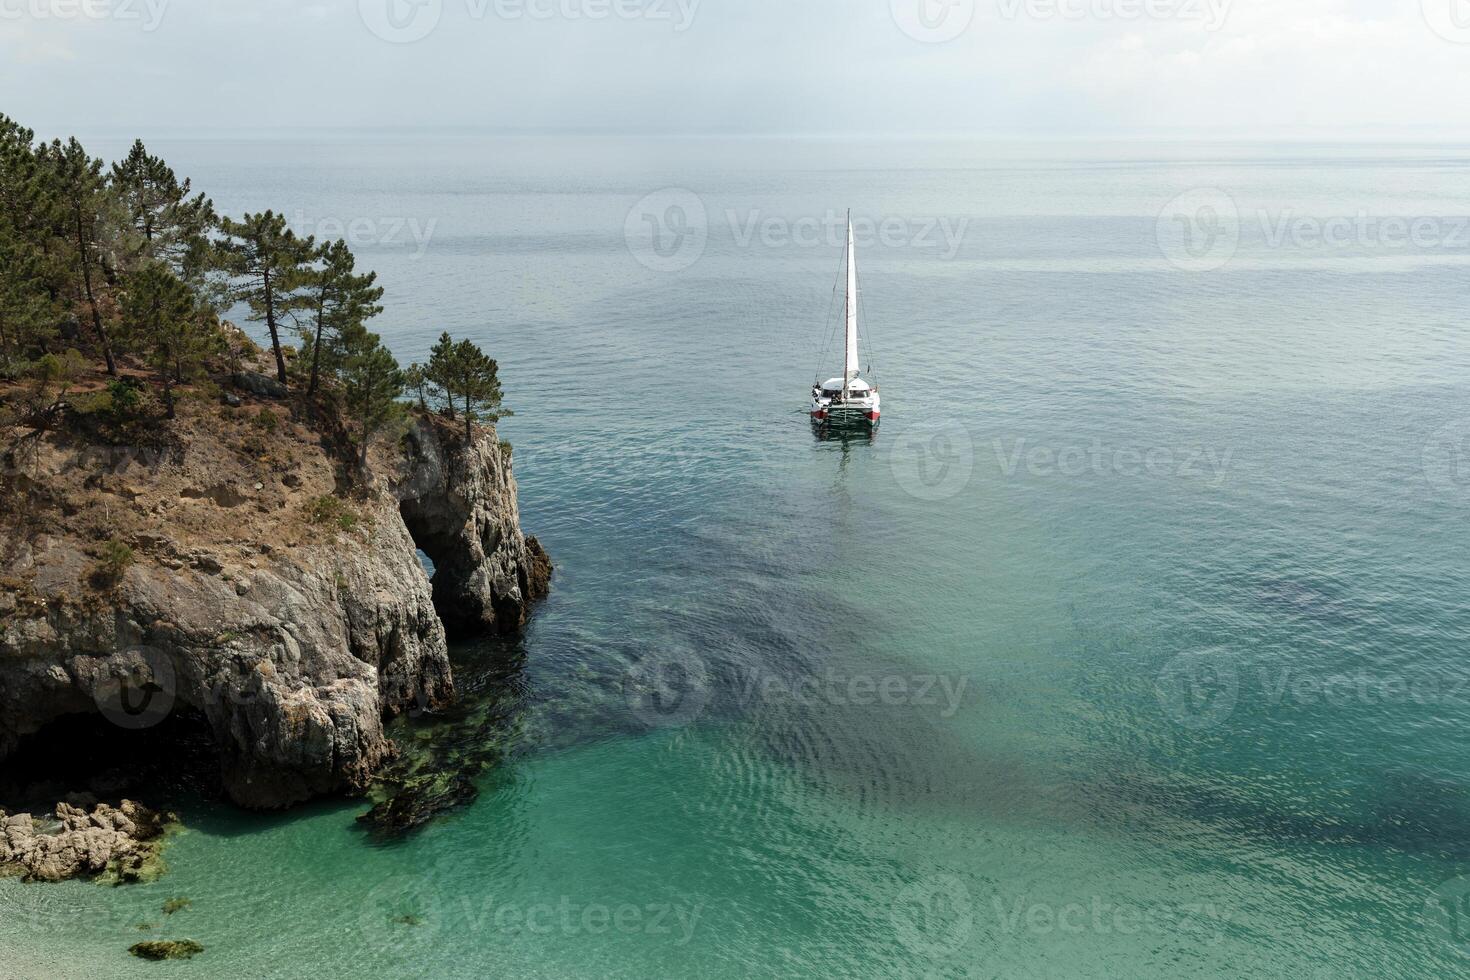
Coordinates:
(435,553)
(89,754)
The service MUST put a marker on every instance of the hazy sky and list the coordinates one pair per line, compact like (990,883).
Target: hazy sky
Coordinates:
(1050,67)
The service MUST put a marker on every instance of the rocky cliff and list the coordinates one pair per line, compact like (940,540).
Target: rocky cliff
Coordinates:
(461,504)
(224,568)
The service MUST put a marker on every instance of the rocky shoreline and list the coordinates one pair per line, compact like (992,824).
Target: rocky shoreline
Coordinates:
(123,843)
(288,615)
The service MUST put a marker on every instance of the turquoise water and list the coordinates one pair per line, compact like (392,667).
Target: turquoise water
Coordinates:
(1131,646)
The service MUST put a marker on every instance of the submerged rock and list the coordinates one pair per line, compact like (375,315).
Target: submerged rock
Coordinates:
(166,949)
(419,800)
(441,758)
(123,842)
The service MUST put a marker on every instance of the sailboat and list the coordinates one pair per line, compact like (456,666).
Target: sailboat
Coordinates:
(848,400)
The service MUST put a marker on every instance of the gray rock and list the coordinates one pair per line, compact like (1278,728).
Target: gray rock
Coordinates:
(296,671)
(260,384)
(124,841)
(460,502)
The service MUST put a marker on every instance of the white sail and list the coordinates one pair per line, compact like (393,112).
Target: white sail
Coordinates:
(850,399)
(851,370)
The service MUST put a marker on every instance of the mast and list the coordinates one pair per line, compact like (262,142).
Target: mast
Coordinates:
(850,368)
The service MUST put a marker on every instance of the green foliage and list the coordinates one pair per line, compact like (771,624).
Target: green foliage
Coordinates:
(416,383)
(113,560)
(28,217)
(124,398)
(86,219)
(270,267)
(58,371)
(162,320)
(123,411)
(167,225)
(344,301)
(27,315)
(332,511)
(148,265)
(463,371)
(372,383)
(266,421)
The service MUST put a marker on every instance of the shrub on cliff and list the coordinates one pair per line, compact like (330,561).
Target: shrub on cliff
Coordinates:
(113,560)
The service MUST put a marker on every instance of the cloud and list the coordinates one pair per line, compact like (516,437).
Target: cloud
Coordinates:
(1062,67)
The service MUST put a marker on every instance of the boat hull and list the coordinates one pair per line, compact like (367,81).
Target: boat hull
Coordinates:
(846,415)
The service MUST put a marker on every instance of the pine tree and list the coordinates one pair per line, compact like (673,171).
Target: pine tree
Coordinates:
(464,371)
(272,266)
(168,224)
(165,325)
(28,204)
(86,213)
(416,382)
(440,371)
(26,315)
(343,300)
(479,384)
(372,383)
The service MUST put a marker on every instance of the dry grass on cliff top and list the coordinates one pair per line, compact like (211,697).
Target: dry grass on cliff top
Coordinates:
(218,482)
